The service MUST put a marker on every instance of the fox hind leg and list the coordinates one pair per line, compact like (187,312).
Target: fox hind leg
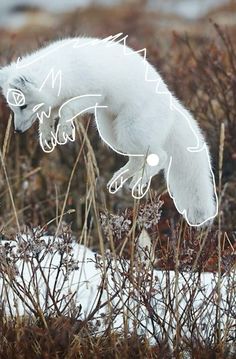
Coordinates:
(127,171)
(105,125)
(154,163)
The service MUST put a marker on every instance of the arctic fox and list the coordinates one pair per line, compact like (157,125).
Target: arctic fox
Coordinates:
(137,115)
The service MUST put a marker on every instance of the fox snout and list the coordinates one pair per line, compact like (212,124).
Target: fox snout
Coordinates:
(20,127)
(21,124)
(18,130)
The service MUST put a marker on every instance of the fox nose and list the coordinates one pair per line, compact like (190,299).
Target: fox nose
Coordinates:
(18,131)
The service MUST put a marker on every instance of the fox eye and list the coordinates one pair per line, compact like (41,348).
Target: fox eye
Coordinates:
(23,107)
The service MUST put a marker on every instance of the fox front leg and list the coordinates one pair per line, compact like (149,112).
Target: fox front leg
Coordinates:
(69,111)
(65,129)
(124,173)
(47,132)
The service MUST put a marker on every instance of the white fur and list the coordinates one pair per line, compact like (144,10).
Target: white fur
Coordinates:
(138,119)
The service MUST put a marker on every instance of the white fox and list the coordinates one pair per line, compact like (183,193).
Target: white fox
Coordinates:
(138,116)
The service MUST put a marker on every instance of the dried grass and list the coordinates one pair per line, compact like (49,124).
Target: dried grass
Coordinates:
(66,188)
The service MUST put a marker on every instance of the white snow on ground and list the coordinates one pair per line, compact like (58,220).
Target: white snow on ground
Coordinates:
(152,301)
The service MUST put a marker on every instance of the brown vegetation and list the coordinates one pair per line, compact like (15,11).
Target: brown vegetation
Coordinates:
(201,71)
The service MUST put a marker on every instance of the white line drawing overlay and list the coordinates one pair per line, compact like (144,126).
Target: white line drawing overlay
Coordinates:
(54,78)
(15,97)
(64,133)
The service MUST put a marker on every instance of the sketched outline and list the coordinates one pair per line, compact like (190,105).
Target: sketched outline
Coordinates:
(200,145)
(13,92)
(54,79)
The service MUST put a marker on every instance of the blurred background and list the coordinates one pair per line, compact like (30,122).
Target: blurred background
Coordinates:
(191,43)
(176,14)
(10,17)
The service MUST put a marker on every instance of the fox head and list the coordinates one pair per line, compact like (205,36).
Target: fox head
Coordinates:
(28,96)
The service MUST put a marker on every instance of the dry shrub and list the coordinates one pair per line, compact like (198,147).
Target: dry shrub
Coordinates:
(201,71)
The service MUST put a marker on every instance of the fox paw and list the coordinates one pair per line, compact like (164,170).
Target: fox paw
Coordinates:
(65,132)
(140,185)
(47,141)
(118,180)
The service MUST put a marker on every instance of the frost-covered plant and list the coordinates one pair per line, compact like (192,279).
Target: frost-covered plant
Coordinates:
(118,225)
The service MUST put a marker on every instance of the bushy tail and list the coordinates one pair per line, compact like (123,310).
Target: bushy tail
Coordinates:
(188,173)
